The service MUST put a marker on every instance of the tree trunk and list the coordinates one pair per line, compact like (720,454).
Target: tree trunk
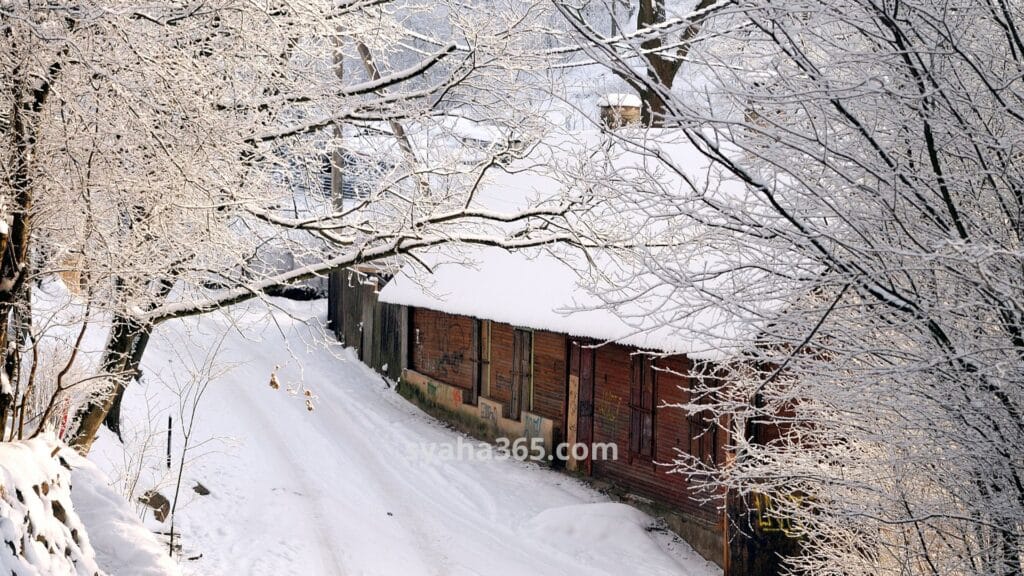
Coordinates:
(6,390)
(662,64)
(15,243)
(122,359)
(133,371)
(125,346)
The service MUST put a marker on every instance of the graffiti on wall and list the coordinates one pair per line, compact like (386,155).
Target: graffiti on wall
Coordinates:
(452,346)
(534,425)
(449,360)
(768,518)
(610,411)
(489,413)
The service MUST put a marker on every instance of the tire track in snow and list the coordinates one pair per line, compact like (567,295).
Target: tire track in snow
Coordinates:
(271,440)
(350,424)
(390,460)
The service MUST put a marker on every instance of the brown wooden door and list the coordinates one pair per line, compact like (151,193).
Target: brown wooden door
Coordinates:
(522,372)
(579,412)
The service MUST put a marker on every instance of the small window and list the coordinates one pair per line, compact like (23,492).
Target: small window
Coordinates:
(641,404)
(522,373)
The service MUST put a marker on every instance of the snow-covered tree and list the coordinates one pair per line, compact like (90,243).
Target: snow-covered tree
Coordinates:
(876,247)
(652,36)
(173,155)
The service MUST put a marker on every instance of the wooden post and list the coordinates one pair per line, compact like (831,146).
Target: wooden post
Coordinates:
(168,441)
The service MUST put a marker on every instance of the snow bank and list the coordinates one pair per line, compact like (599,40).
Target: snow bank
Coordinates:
(602,533)
(42,535)
(49,530)
(123,545)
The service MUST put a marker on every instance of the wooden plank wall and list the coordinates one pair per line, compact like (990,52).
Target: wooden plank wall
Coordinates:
(367,308)
(389,331)
(358,319)
(335,279)
(351,316)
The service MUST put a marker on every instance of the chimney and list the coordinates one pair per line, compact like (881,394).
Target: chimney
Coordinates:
(618,110)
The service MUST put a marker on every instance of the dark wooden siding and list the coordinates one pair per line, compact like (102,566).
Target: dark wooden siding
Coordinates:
(351,318)
(442,347)
(367,326)
(334,282)
(358,319)
(389,331)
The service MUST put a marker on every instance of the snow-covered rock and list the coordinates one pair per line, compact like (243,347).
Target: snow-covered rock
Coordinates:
(59,517)
(40,531)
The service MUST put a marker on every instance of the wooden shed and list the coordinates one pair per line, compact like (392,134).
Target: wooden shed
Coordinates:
(515,367)
(509,345)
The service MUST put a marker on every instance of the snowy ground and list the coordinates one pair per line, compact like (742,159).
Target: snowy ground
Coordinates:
(350,487)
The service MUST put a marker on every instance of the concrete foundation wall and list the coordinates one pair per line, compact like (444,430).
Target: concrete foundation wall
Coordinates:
(487,414)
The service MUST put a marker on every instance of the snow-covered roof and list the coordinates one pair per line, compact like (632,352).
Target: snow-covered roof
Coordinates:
(620,100)
(534,289)
(554,288)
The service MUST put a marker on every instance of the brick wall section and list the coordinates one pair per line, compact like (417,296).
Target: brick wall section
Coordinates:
(549,377)
(612,424)
(444,352)
(443,347)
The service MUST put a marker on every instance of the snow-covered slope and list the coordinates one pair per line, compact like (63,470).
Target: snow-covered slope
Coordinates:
(124,547)
(354,486)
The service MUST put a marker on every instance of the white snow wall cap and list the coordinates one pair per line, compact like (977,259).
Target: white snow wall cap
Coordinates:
(620,100)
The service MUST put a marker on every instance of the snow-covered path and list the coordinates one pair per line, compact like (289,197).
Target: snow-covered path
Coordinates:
(352,487)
